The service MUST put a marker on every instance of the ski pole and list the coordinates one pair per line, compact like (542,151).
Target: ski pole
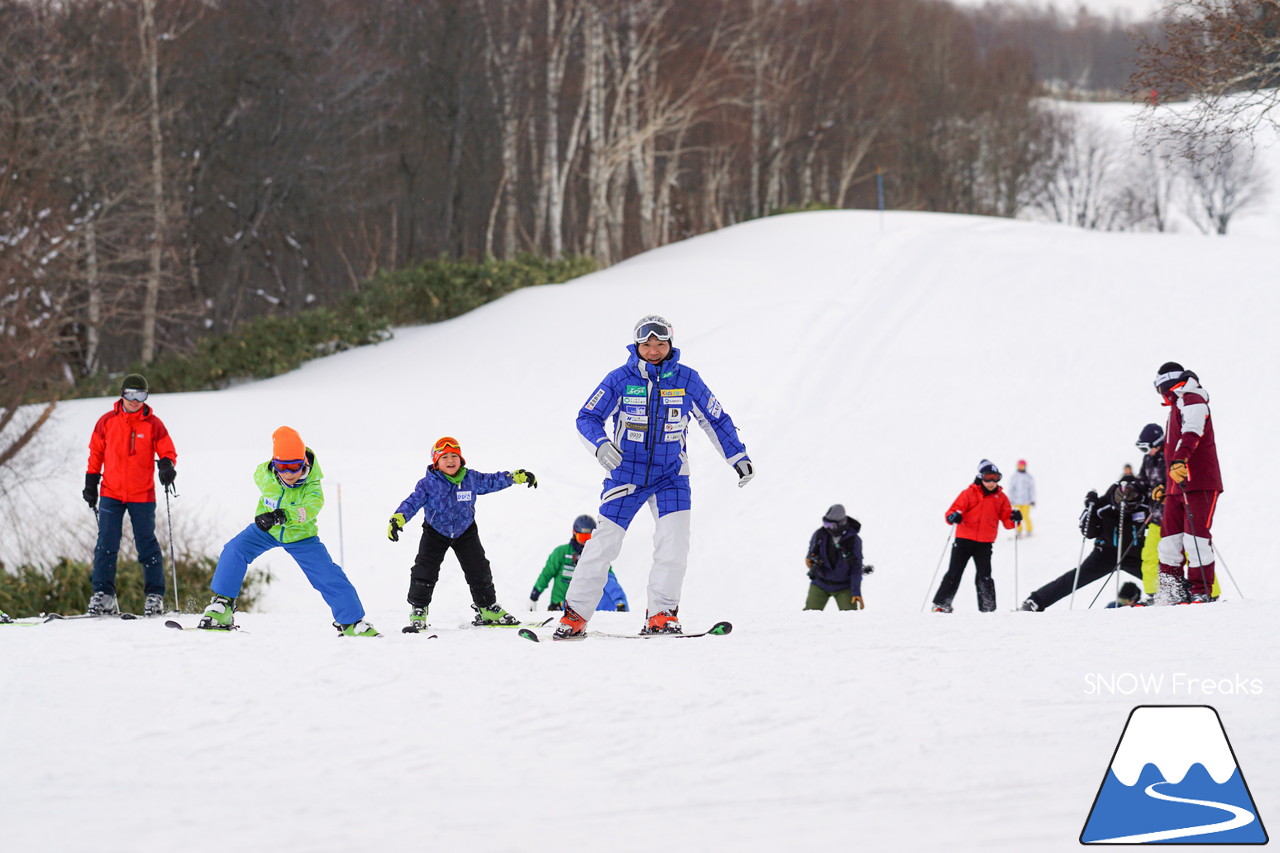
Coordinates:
(950,533)
(173,560)
(1079,560)
(1218,555)
(1016,596)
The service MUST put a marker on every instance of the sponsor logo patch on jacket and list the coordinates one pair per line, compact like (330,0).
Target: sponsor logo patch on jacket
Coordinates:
(635,401)
(271,503)
(713,406)
(672,392)
(673,436)
(675,427)
(595,398)
(637,391)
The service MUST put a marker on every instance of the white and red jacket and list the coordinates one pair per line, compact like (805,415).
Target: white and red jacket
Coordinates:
(1189,437)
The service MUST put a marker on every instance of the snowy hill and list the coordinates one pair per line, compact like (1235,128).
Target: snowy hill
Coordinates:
(869,360)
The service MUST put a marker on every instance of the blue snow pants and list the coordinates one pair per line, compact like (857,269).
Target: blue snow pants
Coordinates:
(312,557)
(110,526)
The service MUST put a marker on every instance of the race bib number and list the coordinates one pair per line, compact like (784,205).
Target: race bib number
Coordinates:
(635,435)
(464,496)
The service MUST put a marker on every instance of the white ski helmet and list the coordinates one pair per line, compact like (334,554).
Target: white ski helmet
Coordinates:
(654,325)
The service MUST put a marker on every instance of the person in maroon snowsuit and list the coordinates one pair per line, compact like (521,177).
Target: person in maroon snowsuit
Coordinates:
(977,512)
(1192,485)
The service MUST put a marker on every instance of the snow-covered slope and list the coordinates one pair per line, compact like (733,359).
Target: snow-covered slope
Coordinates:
(869,360)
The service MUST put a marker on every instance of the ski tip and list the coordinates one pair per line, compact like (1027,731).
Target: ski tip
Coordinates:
(528,634)
(408,629)
(169,623)
(721,628)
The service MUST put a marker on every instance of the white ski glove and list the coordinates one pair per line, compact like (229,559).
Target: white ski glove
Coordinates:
(609,456)
(745,471)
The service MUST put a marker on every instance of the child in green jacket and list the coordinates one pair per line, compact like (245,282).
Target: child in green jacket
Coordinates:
(558,572)
(286,518)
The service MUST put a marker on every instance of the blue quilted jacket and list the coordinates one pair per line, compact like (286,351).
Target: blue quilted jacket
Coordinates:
(645,409)
(447,507)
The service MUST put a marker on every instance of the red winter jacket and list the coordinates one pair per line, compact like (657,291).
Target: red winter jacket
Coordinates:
(124,447)
(981,513)
(1189,437)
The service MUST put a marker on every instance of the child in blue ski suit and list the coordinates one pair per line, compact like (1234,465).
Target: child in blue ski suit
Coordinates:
(446,495)
(648,404)
(287,508)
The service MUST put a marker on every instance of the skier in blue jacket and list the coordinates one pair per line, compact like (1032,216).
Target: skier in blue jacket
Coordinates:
(447,497)
(647,404)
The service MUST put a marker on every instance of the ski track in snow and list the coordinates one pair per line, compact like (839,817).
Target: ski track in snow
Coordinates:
(1239,817)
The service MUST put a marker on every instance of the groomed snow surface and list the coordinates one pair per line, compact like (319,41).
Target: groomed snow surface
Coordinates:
(870,360)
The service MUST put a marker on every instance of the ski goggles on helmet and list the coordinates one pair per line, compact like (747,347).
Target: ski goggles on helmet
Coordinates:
(831,525)
(288,466)
(653,328)
(1144,446)
(448,444)
(581,538)
(135,394)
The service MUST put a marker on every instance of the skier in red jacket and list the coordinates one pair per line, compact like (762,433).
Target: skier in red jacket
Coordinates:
(977,512)
(122,457)
(1192,485)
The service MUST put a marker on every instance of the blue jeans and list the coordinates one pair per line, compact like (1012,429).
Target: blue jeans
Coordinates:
(312,557)
(110,524)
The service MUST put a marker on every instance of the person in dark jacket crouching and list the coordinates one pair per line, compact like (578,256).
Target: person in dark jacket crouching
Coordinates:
(835,562)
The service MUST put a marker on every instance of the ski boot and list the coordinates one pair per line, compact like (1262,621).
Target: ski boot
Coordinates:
(219,615)
(417,621)
(1030,604)
(663,622)
(5,618)
(356,629)
(571,627)
(102,604)
(492,614)
(942,608)
(1173,590)
(1200,598)
(154,605)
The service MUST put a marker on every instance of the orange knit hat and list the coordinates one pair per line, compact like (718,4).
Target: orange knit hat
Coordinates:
(287,446)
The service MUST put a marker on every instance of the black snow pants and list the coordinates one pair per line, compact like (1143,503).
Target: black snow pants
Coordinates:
(1100,562)
(475,566)
(961,551)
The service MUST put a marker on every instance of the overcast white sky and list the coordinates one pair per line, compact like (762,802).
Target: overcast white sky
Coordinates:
(1134,9)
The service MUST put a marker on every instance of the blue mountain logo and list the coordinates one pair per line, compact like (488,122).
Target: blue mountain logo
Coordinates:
(1173,779)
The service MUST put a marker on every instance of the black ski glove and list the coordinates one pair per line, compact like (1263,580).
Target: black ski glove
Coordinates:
(90,492)
(954,518)
(868,569)
(167,473)
(268,520)
(1016,516)
(533,596)
(1091,498)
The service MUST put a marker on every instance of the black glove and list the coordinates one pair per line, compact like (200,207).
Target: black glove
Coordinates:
(167,473)
(90,492)
(868,569)
(622,608)
(533,596)
(1016,516)
(268,520)
(954,517)
(1091,498)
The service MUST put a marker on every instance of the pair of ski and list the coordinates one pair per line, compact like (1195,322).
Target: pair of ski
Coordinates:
(409,629)
(717,630)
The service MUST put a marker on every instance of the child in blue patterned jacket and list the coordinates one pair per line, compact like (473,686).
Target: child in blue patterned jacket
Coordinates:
(446,496)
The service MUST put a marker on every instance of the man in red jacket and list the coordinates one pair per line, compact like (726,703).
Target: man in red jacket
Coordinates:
(1192,485)
(978,512)
(122,457)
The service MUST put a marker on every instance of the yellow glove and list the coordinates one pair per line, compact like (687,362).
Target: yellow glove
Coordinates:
(858,604)
(1179,471)
(395,526)
(1157,494)
(521,476)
